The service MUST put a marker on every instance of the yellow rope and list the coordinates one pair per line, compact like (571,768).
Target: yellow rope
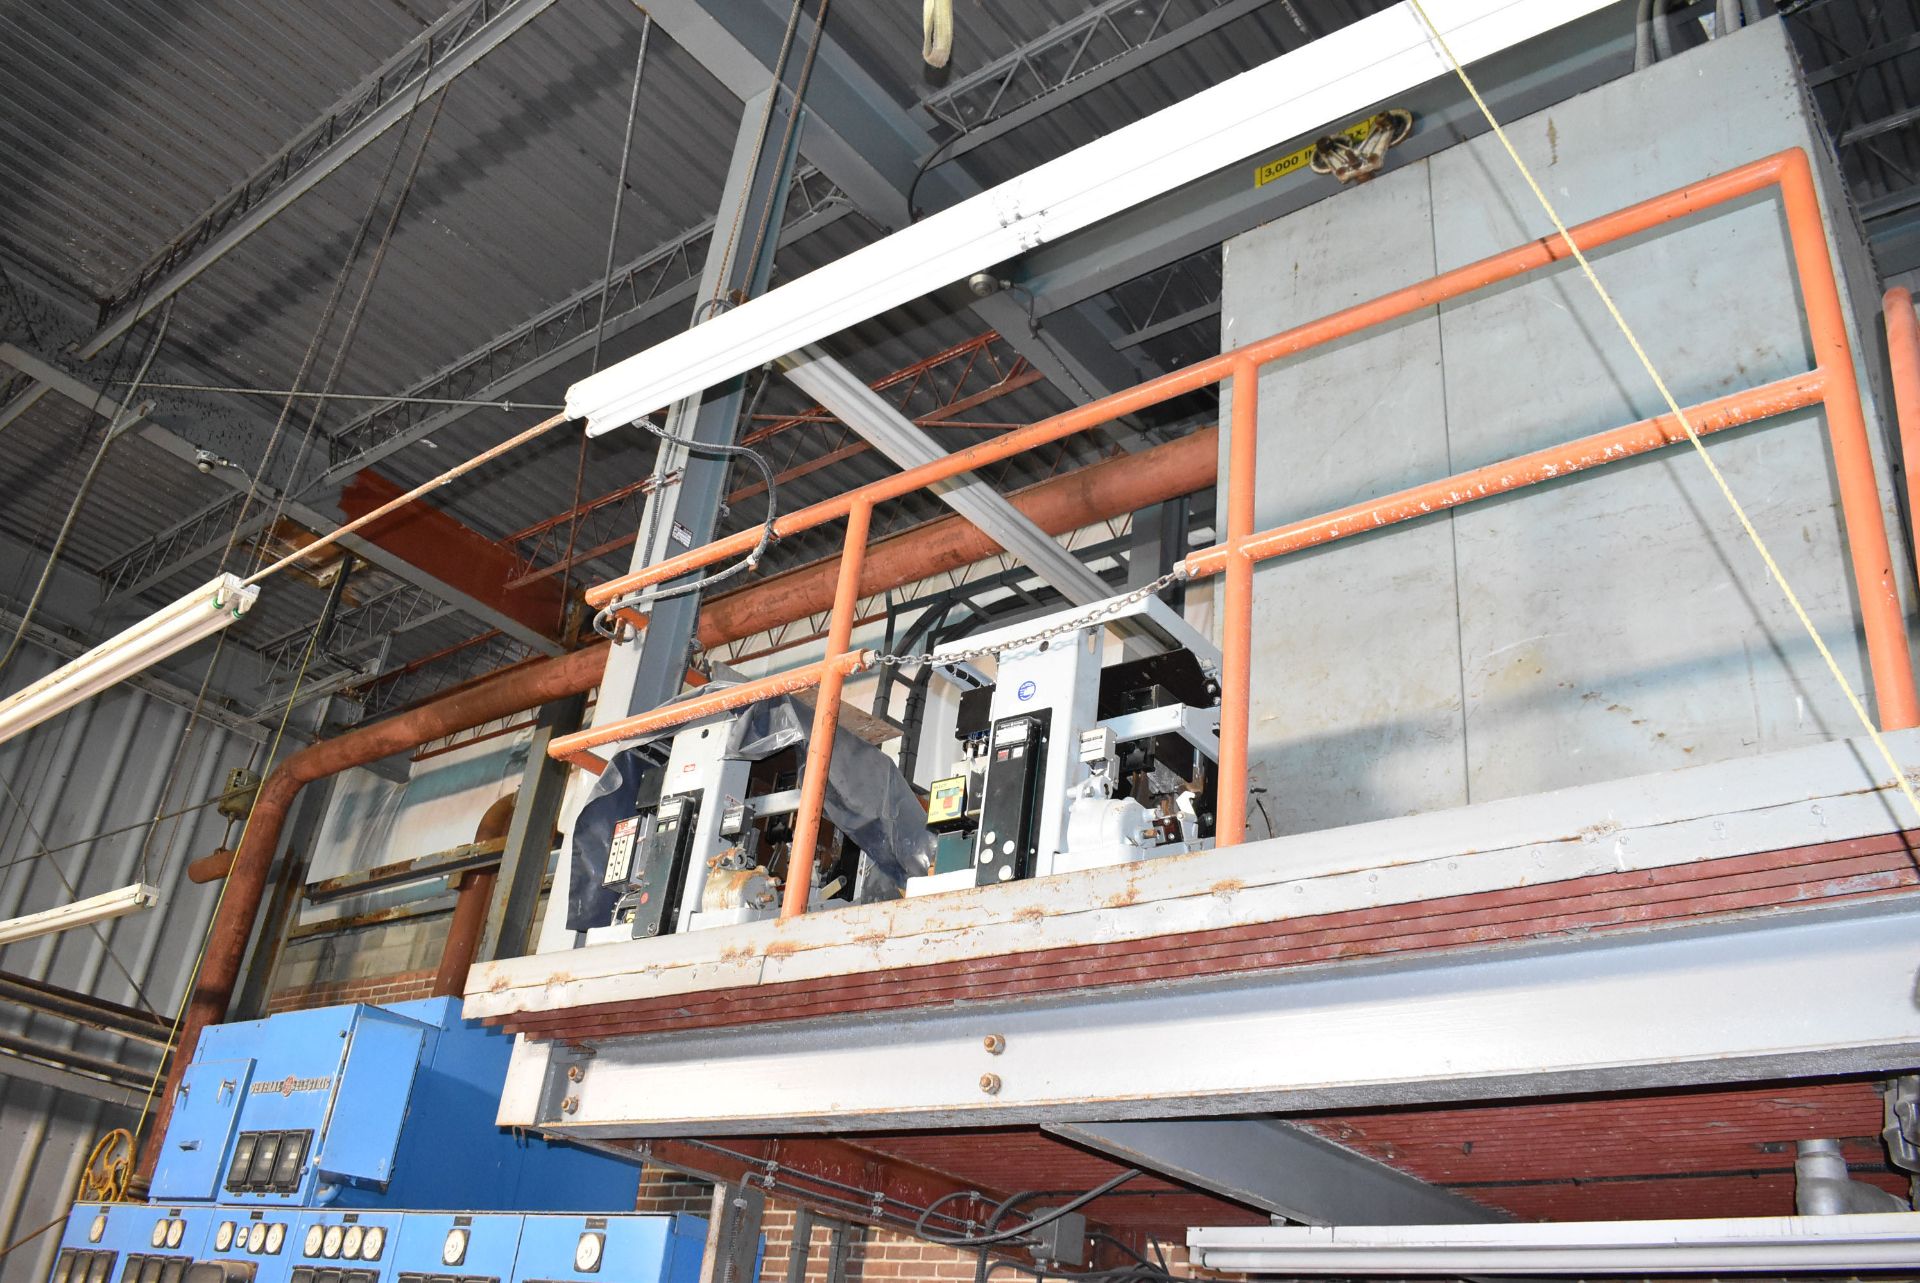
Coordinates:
(1673,406)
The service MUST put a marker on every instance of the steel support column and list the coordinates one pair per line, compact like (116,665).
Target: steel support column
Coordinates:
(1159,541)
(871,147)
(683,515)
(1279,1168)
(523,863)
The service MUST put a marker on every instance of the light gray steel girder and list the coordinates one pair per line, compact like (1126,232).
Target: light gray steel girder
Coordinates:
(1781,994)
(871,147)
(1279,1168)
(23,401)
(1090,49)
(50,376)
(428,63)
(1566,61)
(650,670)
(877,422)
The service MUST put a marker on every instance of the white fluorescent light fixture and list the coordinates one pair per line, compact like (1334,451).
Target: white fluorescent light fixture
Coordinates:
(1866,1241)
(81,913)
(201,613)
(1295,95)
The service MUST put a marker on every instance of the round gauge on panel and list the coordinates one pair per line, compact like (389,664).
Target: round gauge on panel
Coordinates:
(256,1236)
(276,1237)
(350,1245)
(454,1250)
(99,1228)
(373,1244)
(176,1230)
(586,1253)
(330,1246)
(159,1236)
(223,1237)
(314,1235)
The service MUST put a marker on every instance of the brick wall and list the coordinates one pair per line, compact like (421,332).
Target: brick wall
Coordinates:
(878,1256)
(394,988)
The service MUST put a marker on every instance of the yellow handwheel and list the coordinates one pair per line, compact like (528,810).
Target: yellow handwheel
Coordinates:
(109,1168)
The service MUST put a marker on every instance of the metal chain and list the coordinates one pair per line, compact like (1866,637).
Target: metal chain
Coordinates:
(1104,611)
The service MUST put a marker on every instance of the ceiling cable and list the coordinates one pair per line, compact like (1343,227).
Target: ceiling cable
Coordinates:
(382,398)
(312,354)
(606,290)
(351,330)
(786,137)
(123,414)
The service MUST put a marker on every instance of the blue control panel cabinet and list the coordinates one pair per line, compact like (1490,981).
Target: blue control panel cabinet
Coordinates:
(363,1106)
(356,1144)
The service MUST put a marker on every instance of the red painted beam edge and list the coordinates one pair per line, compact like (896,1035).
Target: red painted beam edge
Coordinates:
(1880,865)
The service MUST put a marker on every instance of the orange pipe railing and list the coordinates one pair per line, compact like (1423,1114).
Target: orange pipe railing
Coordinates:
(1831,383)
(1903,357)
(826,716)
(578,747)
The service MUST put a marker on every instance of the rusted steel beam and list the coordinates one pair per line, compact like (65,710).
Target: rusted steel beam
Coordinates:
(453,553)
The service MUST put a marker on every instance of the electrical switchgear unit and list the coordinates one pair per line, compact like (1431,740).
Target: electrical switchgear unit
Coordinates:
(1069,761)
(695,830)
(307,1148)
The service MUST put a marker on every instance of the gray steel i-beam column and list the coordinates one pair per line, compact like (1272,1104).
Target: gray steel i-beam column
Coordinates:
(1279,1168)
(510,918)
(871,147)
(645,674)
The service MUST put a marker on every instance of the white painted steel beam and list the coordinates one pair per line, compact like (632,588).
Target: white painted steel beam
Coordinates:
(1366,62)
(1279,1168)
(883,427)
(1782,994)
(1872,1241)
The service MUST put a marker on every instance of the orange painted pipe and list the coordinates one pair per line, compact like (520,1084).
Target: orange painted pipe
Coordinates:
(1882,620)
(826,715)
(1792,393)
(1236,609)
(1109,489)
(578,747)
(1630,221)
(514,691)
(469,921)
(1903,355)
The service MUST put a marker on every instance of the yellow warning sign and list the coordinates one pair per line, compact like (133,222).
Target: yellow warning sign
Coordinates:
(1298,160)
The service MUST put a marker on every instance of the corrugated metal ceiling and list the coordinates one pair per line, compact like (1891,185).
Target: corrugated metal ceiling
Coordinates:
(131,118)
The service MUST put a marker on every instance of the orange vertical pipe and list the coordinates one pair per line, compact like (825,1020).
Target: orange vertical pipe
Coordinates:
(1903,354)
(469,921)
(826,713)
(1236,609)
(1881,618)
